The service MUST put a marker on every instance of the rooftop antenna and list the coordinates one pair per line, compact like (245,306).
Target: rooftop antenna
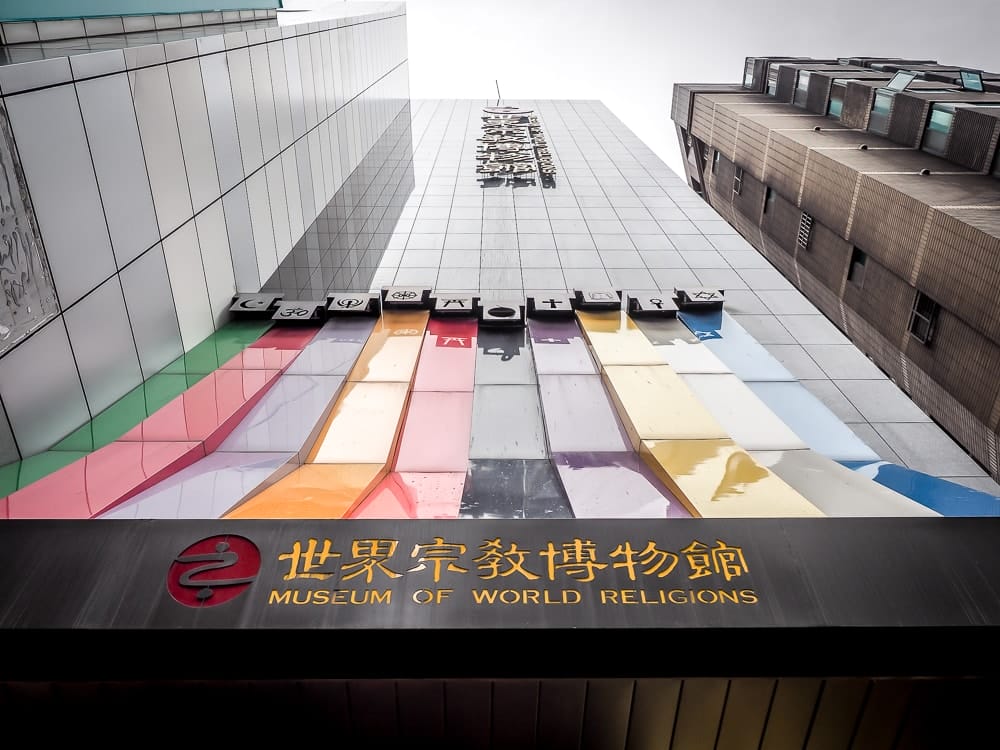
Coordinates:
(497,81)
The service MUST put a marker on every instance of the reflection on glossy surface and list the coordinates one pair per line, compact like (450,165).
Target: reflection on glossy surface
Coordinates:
(746,418)
(655,403)
(335,347)
(436,434)
(741,352)
(288,417)
(578,414)
(835,489)
(813,421)
(100,481)
(507,423)
(208,410)
(414,495)
(940,495)
(681,348)
(666,331)
(614,485)
(559,348)
(513,489)
(313,491)
(363,425)
(261,358)
(392,349)
(447,357)
(616,340)
(503,357)
(207,488)
(717,479)
(294,338)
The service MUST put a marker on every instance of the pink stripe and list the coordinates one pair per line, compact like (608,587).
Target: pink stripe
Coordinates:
(437,433)
(414,495)
(185,430)
(100,481)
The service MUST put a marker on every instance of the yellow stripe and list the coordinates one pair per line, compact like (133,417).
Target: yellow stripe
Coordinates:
(677,436)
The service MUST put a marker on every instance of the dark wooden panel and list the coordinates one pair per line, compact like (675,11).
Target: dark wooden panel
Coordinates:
(560,713)
(468,712)
(950,714)
(883,715)
(840,705)
(515,714)
(605,721)
(698,714)
(654,708)
(792,709)
(746,713)
(421,709)
(373,708)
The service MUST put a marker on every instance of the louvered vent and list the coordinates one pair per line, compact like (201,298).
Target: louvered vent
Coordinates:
(805,231)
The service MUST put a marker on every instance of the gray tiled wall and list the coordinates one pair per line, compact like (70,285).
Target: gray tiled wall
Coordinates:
(158,181)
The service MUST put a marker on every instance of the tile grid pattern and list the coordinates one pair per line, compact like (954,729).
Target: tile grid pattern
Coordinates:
(172,230)
(619,217)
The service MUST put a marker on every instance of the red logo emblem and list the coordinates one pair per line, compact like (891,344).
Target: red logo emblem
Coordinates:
(213,571)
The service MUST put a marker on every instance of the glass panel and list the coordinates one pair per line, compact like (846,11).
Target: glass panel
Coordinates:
(772,79)
(938,128)
(879,120)
(802,89)
(836,105)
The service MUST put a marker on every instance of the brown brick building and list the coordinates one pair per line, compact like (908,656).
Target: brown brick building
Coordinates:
(878,196)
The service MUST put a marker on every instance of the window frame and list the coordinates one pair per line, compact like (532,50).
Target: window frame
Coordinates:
(928,317)
(858,260)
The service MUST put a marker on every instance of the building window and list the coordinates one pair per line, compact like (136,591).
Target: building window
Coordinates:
(768,200)
(715,161)
(748,73)
(923,317)
(836,105)
(804,237)
(938,129)
(738,181)
(878,121)
(772,79)
(856,271)
(801,89)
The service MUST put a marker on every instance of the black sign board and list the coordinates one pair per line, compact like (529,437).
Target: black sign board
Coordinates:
(862,584)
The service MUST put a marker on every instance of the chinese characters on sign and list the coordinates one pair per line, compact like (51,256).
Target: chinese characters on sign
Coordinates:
(513,147)
(437,562)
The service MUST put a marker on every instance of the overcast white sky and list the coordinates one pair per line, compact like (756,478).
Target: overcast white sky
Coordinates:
(629,53)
